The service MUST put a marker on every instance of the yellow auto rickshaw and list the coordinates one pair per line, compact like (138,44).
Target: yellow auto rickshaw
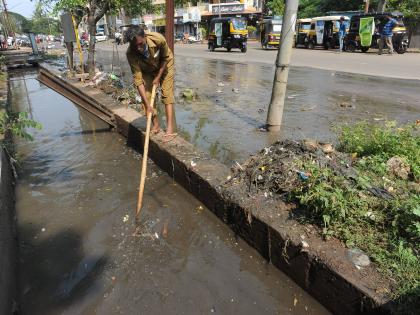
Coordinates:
(270,29)
(303,26)
(324,31)
(228,32)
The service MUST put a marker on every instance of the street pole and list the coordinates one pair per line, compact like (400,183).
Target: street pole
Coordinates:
(366,6)
(275,109)
(169,23)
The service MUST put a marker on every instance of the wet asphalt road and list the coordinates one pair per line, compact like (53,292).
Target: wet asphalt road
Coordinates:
(233,98)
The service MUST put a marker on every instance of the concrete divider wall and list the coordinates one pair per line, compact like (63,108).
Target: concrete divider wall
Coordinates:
(8,239)
(322,269)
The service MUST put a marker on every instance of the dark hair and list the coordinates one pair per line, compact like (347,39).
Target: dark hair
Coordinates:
(132,32)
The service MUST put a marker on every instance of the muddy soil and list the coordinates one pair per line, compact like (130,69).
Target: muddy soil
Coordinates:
(76,196)
(233,99)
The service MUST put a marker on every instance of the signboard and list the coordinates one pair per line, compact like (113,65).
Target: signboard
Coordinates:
(227,8)
(67,26)
(195,15)
(148,19)
(366,29)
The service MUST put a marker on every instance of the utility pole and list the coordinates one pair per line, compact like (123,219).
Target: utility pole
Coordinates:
(169,23)
(275,109)
(366,6)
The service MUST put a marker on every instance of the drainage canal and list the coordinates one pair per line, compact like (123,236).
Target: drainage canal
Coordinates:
(76,195)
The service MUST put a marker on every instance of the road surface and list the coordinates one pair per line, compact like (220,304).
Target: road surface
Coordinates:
(405,66)
(233,98)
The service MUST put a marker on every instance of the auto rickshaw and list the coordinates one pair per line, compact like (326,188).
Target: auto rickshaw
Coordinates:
(368,36)
(303,26)
(270,29)
(324,31)
(228,32)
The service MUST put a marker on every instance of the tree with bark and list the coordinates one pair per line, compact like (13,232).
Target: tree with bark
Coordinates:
(94,10)
(381,5)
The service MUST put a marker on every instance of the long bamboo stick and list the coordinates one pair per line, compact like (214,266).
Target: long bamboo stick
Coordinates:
(145,153)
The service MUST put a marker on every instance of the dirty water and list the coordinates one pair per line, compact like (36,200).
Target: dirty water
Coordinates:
(224,120)
(76,195)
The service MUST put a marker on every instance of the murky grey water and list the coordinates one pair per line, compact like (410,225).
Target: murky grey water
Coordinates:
(78,254)
(224,123)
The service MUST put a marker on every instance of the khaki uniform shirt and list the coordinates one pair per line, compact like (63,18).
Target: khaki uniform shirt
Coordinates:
(147,68)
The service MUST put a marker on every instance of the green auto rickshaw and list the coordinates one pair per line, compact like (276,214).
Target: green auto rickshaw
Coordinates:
(365,32)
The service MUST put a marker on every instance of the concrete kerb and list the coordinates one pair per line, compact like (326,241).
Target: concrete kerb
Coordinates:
(322,269)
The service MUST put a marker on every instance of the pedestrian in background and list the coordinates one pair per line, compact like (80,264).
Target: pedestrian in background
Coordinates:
(342,30)
(386,35)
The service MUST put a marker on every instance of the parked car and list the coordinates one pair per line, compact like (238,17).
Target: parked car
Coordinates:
(23,40)
(100,37)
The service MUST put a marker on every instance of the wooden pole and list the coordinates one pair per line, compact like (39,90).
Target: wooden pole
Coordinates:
(145,153)
(169,23)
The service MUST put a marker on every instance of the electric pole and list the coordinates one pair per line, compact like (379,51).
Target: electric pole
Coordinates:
(275,109)
(169,23)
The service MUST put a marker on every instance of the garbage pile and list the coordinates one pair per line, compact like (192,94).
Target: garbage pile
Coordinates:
(114,85)
(279,168)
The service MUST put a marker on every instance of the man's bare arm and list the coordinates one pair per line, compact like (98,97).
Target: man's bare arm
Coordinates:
(162,68)
(142,91)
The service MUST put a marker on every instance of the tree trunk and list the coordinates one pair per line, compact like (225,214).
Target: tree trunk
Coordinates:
(92,35)
(126,19)
(70,62)
(381,5)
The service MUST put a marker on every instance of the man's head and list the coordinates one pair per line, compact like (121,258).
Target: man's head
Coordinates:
(137,38)
(342,19)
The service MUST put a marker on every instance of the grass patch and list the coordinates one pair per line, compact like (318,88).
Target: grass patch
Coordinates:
(377,206)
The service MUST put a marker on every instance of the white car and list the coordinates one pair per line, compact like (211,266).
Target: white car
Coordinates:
(100,37)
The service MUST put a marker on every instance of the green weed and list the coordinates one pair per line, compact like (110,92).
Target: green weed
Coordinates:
(372,209)
(17,123)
